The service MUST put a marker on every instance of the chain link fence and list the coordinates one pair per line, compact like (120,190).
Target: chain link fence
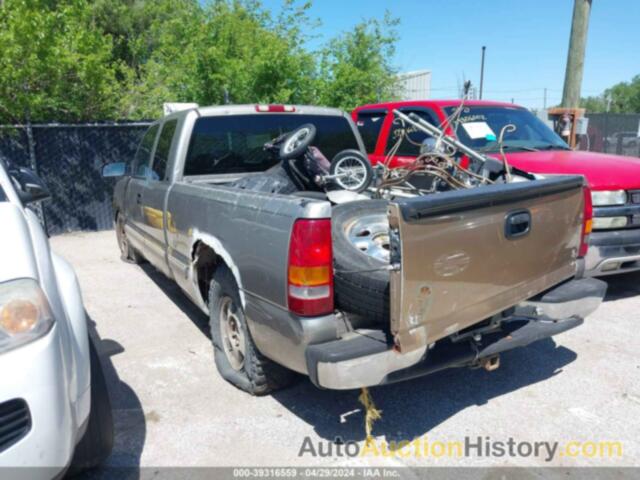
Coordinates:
(69,158)
(612,133)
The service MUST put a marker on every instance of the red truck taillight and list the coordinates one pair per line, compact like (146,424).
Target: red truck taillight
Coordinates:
(588,222)
(310,272)
(275,108)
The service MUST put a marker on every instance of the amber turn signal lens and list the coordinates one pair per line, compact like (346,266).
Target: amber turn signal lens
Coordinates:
(309,276)
(18,316)
(588,226)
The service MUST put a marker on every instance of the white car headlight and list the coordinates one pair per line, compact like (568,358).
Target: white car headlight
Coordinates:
(25,314)
(609,222)
(608,197)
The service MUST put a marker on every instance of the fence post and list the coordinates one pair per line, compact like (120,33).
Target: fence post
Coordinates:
(33,164)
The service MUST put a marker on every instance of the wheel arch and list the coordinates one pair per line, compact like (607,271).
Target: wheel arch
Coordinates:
(207,255)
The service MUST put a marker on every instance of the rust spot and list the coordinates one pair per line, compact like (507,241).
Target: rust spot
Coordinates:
(425,291)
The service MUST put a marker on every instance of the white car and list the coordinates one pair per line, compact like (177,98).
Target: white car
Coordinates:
(55,412)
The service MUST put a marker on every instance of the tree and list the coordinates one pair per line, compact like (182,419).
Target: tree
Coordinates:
(623,97)
(252,57)
(79,60)
(54,63)
(226,50)
(356,67)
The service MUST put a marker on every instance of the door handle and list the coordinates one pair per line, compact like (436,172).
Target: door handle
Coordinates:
(517,224)
(139,198)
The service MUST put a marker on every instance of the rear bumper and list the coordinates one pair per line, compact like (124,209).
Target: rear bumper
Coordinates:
(611,252)
(367,358)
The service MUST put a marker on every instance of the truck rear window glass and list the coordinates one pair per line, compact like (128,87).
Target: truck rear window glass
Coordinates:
(3,197)
(369,124)
(233,144)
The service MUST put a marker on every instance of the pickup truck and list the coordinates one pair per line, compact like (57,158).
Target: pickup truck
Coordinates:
(613,179)
(356,292)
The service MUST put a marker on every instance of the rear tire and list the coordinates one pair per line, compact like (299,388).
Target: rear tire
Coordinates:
(97,442)
(361,280)
(127,252)
(236,356)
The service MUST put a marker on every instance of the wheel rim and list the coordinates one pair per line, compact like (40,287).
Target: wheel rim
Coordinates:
(232,334)
(122,237)
(350,173)
(296,139)
(370,235)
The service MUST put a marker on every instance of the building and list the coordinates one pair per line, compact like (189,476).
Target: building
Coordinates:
(414,85)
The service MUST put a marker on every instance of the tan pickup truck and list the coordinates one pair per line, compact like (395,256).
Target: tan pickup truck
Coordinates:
(351,289)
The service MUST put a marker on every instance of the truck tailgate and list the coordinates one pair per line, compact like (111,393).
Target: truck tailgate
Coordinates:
(469,254)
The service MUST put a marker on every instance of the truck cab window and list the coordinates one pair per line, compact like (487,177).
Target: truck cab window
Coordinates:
(369,124)
(411,143)
(143,155)
(161,157)
(228,145)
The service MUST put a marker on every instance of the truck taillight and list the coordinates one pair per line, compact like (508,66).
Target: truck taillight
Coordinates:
(275,108)
(588,222)
(310,271)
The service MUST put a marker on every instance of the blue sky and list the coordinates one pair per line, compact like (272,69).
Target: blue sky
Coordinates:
(527,42)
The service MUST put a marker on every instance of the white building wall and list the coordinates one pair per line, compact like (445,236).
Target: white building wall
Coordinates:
(414,85)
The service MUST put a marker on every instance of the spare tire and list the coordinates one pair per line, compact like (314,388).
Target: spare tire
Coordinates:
(360,232)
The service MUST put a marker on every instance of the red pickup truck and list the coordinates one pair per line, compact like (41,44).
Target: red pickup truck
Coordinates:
(532,147)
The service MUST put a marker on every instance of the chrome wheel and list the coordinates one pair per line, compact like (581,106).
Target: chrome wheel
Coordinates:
(232,334)
(296,139)
(370,235)
(350,173)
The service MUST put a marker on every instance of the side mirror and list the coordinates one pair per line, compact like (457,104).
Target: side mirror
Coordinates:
(114,169)
(30,187)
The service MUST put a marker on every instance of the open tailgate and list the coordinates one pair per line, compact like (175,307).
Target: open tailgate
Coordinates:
(469,254)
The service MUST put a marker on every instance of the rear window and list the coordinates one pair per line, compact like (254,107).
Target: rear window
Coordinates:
(3,197)
(233,144)
(369,124)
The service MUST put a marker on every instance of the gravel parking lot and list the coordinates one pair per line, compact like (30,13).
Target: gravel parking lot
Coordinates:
(171,408)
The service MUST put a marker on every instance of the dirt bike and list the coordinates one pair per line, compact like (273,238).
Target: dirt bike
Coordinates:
(349,170)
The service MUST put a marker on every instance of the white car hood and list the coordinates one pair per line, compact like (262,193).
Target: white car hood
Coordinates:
(16,251)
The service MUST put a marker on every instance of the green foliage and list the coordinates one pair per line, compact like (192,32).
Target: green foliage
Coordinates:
(77,60)
(623,97)
(252,57)
(356,66)
(54,64)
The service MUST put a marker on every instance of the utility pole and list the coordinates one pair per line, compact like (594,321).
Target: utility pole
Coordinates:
(575,58)
(482,71)
(544,102)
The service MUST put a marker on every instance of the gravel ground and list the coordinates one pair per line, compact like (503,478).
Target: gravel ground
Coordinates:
(171,408)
